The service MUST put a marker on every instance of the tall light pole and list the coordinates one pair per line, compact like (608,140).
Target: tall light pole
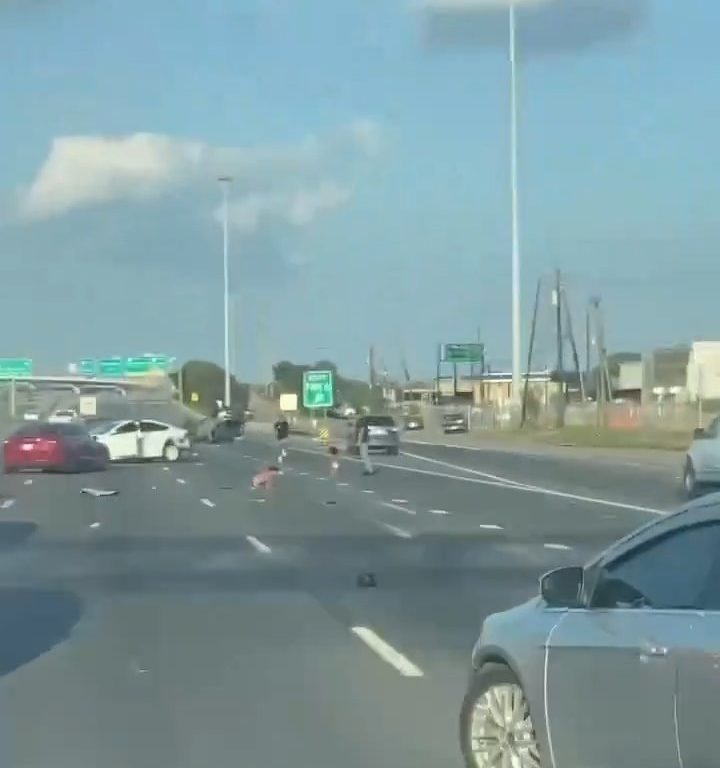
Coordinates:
(225,182)
(516,363)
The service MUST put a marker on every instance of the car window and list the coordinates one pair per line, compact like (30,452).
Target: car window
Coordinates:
(670,572)
(69,430)
(124,429)
(379,421)
(152,426)
(712,427)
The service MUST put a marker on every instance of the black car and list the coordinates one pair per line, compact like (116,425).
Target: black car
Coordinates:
(226,430)
(454,422)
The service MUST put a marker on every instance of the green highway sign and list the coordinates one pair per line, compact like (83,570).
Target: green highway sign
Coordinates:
(124,366)
(13,367)
(88,367)
(111,366)
(138,366)
(318,389)
(462,353)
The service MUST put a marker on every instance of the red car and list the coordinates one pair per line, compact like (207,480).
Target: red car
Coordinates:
(60,447)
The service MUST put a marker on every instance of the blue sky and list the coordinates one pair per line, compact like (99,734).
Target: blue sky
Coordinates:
(368,142)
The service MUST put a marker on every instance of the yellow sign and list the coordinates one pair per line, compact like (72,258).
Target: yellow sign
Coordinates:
(194,397)
(324,435)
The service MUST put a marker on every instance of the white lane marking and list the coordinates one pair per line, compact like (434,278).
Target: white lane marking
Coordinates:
(562,547)
(7,504)
(399,501)
(180,480)
(469,470)
(392,505)
(303,474)
(154,487)
(259,545)
(207,502)
(166,469)
(28,482)
(321,478)
(401,532)
(491,527)
(439,512)
(515,487)
(199,463)
(94,525)
(367,490)
(343,485)
(387,653)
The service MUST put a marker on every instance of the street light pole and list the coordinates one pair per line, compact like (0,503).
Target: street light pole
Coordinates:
(516,363)
(225,182)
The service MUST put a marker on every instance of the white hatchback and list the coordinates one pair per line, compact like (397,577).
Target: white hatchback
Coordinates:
(141,439)
(63,416)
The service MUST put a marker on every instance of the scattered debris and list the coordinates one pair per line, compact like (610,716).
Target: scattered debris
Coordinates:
(330,502)
(97,492)
(265,478)
(367,580)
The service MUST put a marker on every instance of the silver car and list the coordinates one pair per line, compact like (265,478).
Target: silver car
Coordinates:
(702,461)
(383,434)
(615,664)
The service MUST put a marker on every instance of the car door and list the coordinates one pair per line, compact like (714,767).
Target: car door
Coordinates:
(154,435)
(612,667)
(699,675)
(122,442)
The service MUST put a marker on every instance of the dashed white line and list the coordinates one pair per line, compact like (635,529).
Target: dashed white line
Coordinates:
(399,501)
(303,474)
(258,545)
(401,532)
(7,503)
(343,485)
(207,502)
(94,525)
(392,505)
(491,527)
(439,512)
(180,480)
(321,478)
(367,490)
(387,653)
(28,481)
(166,469)
(562,547)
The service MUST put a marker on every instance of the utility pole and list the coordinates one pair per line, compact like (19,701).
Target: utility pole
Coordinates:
(601,377)
(573,346)
(531,346)
(557,300)
(225,182)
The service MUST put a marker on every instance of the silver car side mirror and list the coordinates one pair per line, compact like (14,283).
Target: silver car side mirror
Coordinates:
(562,587)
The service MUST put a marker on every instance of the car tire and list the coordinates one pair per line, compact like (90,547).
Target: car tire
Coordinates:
(171,452)
(496,680)
(690,483)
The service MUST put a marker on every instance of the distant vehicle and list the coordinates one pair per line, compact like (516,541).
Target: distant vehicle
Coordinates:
(143,439)
(414,422)
(60,447)
(702,460)
(226,430)
(382,434)
(454,422)
(613,663)
(31,416)
(63,416)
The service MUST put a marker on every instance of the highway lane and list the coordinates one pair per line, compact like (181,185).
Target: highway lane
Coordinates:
(189,620)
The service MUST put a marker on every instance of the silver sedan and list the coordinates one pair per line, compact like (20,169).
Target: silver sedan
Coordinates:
(615,664)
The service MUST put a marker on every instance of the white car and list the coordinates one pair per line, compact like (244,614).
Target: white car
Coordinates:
(141,439)
(63,416)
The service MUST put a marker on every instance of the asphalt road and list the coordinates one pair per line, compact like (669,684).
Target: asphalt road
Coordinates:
(189,620)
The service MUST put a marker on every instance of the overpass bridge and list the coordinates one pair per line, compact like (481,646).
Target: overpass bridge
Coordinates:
(80,384)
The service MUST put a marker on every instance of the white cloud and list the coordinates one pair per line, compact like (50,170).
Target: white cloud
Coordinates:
(298,207)
(83,171)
